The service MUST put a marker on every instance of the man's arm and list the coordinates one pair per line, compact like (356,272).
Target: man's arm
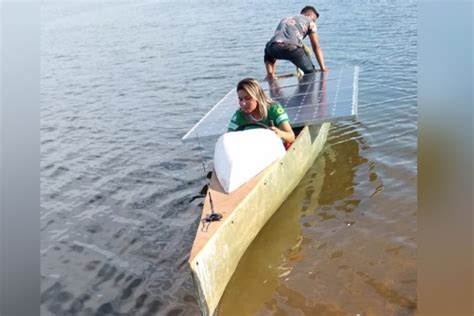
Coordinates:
(314,39)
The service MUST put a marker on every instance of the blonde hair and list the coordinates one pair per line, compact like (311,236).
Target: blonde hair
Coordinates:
(254,90)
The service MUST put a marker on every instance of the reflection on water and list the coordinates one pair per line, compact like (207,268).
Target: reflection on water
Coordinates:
(320,254)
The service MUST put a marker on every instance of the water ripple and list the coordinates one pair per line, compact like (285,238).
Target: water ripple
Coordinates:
(123,82)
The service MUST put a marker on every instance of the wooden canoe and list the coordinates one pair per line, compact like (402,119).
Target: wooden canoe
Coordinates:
(218,246)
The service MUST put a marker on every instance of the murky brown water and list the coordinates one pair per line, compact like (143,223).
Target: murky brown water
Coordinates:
(342,244)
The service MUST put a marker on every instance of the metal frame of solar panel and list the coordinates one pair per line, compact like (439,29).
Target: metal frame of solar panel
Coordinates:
(310,99)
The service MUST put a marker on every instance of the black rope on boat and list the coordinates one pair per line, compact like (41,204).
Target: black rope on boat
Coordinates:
(206,221)
(213,216)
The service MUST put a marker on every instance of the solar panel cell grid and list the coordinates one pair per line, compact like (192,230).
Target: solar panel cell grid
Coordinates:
(311,99)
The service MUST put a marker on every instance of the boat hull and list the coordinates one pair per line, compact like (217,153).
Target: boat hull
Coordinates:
(218,247)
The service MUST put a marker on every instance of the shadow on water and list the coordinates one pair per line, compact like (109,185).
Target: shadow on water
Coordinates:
(343,155)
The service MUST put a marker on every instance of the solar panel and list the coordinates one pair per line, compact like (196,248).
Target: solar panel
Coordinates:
(311,99)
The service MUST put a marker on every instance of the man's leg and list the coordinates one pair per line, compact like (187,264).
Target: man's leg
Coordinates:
(297,56)
(301,59)
(270,64)
(270,67)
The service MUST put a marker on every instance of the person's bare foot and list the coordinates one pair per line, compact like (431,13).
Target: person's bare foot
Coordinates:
(270,77)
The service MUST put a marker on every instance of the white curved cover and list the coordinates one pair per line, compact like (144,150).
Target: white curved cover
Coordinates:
(239,156)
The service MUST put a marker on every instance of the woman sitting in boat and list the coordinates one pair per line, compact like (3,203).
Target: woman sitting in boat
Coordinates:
(257,110)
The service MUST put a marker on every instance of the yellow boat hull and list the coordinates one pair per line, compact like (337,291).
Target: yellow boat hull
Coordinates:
(218,246)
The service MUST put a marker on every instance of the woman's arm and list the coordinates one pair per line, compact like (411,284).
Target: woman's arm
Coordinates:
(284,131)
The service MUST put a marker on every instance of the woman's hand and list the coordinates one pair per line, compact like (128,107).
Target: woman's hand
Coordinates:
(287,136)
(284,131)
(277,131)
